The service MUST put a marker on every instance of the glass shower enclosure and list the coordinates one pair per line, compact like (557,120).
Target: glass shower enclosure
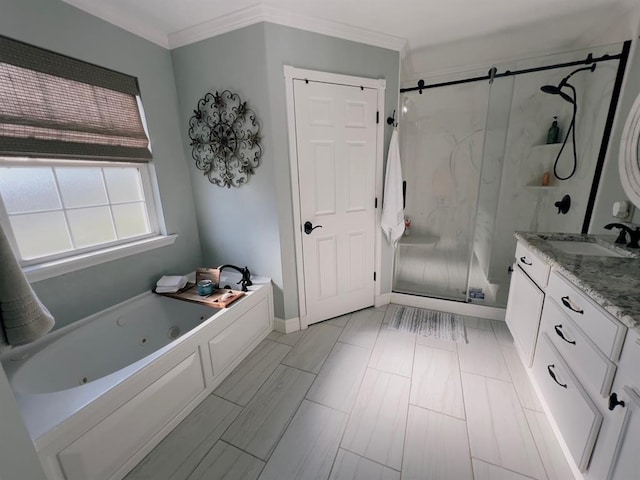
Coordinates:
(474,158)
(441,140)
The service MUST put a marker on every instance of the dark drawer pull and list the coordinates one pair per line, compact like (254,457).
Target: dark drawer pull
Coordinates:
(614,402)
(561,335)
(553,375)
(524,260)
(567,303)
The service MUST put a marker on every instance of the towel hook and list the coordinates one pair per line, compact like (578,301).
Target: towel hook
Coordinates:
(392,120)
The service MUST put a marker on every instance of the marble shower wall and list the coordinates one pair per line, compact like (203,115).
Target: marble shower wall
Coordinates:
(474,156)
(524,204)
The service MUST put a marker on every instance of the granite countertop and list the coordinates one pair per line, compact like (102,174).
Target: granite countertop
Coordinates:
(612,282)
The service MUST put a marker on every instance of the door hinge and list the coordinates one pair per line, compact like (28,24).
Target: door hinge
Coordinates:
(374,276)
(377,117)
(375,204)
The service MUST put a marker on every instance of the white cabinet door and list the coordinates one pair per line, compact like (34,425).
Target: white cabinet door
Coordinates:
(336,145)
(523,314)
(575,414)
(626,460)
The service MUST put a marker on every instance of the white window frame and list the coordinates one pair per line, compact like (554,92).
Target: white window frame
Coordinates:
(57,264)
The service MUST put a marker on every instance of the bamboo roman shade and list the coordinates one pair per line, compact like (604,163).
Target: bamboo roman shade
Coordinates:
(52,105)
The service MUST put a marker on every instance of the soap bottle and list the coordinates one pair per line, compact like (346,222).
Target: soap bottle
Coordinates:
(554,132)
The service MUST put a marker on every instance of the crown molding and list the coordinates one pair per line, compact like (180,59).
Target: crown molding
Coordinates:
(217,26)
(333,29)
(233,21)
(114,16)
(260,13)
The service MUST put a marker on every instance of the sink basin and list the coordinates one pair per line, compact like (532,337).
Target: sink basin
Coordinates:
(573,247)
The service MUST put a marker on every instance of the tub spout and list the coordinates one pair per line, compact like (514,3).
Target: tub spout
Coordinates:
(246,275)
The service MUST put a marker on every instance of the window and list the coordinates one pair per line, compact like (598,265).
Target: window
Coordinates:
(74,153)
(78,206)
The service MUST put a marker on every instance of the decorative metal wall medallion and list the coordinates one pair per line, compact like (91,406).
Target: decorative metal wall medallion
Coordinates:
(225,139)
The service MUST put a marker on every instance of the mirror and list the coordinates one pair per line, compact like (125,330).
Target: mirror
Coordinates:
(629,159)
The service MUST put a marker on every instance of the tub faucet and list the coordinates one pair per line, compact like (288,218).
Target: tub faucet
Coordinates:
(246,275)
(622,239)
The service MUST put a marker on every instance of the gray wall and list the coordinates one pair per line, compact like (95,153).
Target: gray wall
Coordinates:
(237,225)
(253,225)
(62,28)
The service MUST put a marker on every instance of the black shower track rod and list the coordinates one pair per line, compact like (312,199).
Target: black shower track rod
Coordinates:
(493,73)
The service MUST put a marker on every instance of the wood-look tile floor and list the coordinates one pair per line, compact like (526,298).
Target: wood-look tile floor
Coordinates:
(348,399)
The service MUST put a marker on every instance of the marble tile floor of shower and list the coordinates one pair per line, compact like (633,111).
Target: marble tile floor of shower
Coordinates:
(440,274)
(350,399)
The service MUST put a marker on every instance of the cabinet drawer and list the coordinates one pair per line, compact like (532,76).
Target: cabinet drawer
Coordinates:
(574,412)
(604,330)
(537,269)
(523,314)
(591,366)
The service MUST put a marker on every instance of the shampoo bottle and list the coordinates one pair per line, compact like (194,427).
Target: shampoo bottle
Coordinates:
(554,132)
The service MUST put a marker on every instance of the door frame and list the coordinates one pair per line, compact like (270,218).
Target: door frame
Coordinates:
(290,74)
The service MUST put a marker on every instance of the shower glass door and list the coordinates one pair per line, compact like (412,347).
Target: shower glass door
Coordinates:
(441,145)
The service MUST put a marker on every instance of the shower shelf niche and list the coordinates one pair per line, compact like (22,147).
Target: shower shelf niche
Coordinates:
(548,146)
(541,159)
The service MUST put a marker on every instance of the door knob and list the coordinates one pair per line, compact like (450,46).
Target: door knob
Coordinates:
(308,227)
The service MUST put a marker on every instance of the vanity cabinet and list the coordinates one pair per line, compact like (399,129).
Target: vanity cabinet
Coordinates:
(523,314)
(580,361)
(574,412)
(536,268)
(575,365)
(606,332)
(616,454)
(526,297)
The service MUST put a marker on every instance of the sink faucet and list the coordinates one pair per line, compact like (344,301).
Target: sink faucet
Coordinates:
(246,275)
(622,238)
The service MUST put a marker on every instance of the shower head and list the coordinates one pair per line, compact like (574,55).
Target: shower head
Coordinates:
(553,90)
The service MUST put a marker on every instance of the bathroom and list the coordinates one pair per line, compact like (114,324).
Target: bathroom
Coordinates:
(254,225)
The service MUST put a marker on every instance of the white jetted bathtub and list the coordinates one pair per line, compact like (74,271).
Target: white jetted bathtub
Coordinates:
(98,395)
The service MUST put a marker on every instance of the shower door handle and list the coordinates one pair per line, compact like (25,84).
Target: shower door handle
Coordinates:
(404,194)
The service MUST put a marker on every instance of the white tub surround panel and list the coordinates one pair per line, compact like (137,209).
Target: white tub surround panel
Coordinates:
(103,428)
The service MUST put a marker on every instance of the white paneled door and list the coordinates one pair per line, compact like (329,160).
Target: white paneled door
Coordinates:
(336,146)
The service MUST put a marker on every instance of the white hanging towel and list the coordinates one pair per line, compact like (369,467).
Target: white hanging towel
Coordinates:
(392,209)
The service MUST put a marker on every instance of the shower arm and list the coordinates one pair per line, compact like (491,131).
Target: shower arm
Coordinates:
(564,81)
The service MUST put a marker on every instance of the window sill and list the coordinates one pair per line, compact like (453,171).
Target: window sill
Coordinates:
(43,271)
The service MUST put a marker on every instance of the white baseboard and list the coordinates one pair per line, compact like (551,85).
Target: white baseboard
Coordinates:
(286,326)
(459,308)
(382,299)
